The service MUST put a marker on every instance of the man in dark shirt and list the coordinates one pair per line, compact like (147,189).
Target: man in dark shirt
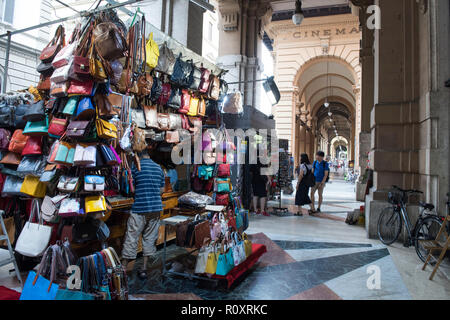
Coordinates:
(145,212)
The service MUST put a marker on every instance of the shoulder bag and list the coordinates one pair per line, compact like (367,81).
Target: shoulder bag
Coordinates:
(54,46)
(166,60)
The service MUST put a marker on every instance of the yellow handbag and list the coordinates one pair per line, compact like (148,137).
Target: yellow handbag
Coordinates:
(94,204)
(211,264)
(105,129)
(193,107)
(247,245)
(33,187)
(96,68)
(151,52)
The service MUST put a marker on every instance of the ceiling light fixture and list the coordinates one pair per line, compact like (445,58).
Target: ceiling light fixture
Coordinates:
(298,16)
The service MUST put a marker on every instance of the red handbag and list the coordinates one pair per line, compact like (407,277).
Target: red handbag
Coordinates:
(222,199)
(222,158)
(83,88)
(231,219)
(208,185)
(185,101)
(57,127)
(204,82)
(33,146)
(18,141)
(223,170)
(165,94)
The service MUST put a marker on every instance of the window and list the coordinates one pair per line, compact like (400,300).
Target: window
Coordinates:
(210,31)
(7,11)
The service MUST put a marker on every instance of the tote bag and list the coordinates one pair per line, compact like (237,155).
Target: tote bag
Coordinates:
(41,290)
(34,238)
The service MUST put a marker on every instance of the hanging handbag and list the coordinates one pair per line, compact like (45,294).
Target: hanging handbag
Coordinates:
(11,158)
(223,185)
(70,207)
(78,129)
(223,89)
(175,99)
(139,143)
(247,245)
(44,83)
(222,199)
(145,84)
(151,117)
(59,90)
(32,165)
(34,237)
(64,56)
(114,104)
(54,46)
(181,72)
(223,170)
(193,107)
(109,41)
(6,116)
(166,60)
(49,208)
(84,88)
(152,52)
(94,183)
(45,69)
(201,107)
(85,155)
(204,80)
(19,113)
(12,186)
(35,112)
(214,87)
(164,97)
(185,102)
(57,127)
(85,109)
(138,117)
(216,228)
(68,184)
(195,78)
(163,121)
(108,156)
(202,233)
(32,187)
(61,74)
(175,121)
(211,263)
(65,154)
(156,90)
(233,103)
(39,128)
(49,174)
(95,204)
(18,141)
(71,106)
(172,137)
(105,129)
(5,138)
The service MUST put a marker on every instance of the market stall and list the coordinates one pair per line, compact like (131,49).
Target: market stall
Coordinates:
(106,93)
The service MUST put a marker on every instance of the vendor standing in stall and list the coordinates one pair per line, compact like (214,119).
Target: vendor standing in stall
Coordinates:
(145,212)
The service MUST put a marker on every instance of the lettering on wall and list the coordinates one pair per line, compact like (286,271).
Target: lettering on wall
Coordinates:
(326,32)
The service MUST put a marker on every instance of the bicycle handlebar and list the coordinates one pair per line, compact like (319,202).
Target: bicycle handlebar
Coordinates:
(407,191)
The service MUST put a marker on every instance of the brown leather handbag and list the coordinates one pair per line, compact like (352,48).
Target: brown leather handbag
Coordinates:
(163,121)
(54,46)
(151,117)
(139,143)
(145,84)
(181,233)
(109,41)
(202,232)
(44,83)
(11,158)
(214,87)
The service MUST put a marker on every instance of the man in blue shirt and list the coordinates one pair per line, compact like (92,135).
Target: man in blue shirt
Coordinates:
(321,171)
(145,212)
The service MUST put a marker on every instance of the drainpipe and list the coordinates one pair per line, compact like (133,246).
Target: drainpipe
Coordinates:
(5,73)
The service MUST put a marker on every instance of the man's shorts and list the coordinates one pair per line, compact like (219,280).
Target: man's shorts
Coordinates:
(317,187)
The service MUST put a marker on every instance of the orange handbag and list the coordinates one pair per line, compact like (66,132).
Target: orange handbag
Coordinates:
(18,141)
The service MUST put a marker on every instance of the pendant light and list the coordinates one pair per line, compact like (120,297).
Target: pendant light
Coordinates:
(298,16)
(327,104)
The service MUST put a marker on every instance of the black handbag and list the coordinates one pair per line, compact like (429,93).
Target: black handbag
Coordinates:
(156,90)
(6,116)
(195,78)
(175,99)
(85,231)
(223,89)
(181,72)
(19,112)
(36,112)
(45,69)
(100,162)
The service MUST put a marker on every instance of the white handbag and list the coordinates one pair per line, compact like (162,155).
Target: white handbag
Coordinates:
(64,56)
(70,207)
(49,208)
(202,259)
(85,155)
(34,238)
(61,74)
(238,250)
(68,184)
(94,183)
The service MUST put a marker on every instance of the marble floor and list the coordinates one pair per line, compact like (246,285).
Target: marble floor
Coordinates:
(308,258)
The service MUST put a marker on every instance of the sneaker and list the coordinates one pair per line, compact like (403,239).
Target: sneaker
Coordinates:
(318,210)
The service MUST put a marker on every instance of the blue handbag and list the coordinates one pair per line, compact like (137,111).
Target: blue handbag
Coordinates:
(239,219)
(73,295)
(71,106)
(85,110)
(205,172)
(225,263)
(41,290)
(245,220)
(38,128)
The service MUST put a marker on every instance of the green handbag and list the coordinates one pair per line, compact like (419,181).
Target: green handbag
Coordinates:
(225,263)
(223,185)
(65,154)
(71,106)
(38,128)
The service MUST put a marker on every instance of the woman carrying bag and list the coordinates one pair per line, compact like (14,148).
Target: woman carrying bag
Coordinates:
(305,181)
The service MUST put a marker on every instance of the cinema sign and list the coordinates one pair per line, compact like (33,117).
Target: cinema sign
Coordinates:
(325,33)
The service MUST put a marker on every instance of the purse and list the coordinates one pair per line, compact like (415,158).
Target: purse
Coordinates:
(32,165)
(139,143)
(95,204)
(202,258)
(108,156)
(247,245)
(85,155)
(57,127)
(185,102)
(223,170)
(195,78)
(68,184)
(201,107)
(223,185)
(105,129)
(18,141)
(172,137)
(35,112)
(12,186)
(109,41)
(166,60)
(61,74)
(202,233)
(175,99)
(181,72)
(96,67)
(78,129)
(94,183)
(6,116)
(145,84)
(214,87)
(114,104)
(222,199)
(5,138)
(156,90)
(45,69)
(238,248)
(39,128)
(44,83)
(166,92)
(193,107)
(54,46)
(11,158)
(175,121)
(85,109)
(59,90)
(204,80)
(84,88)
(138,117)
(211,263)
(49,173)
(163,121)
(225,263)
(70,207)
(233,103)
(64,56)
(33,146)
(151,52)
(49,208)
(65,153)
(151,117)
(33,187)
(19,113)
(71,106)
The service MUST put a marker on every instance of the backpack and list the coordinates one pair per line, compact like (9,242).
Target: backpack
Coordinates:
(324,167)
(309,178)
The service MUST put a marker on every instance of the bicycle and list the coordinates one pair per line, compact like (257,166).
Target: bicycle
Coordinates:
(392,218)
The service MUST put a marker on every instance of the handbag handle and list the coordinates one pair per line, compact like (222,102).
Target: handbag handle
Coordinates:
(35,207)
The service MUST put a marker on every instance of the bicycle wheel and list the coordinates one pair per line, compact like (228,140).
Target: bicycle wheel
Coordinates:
(427,229)
(389,226)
